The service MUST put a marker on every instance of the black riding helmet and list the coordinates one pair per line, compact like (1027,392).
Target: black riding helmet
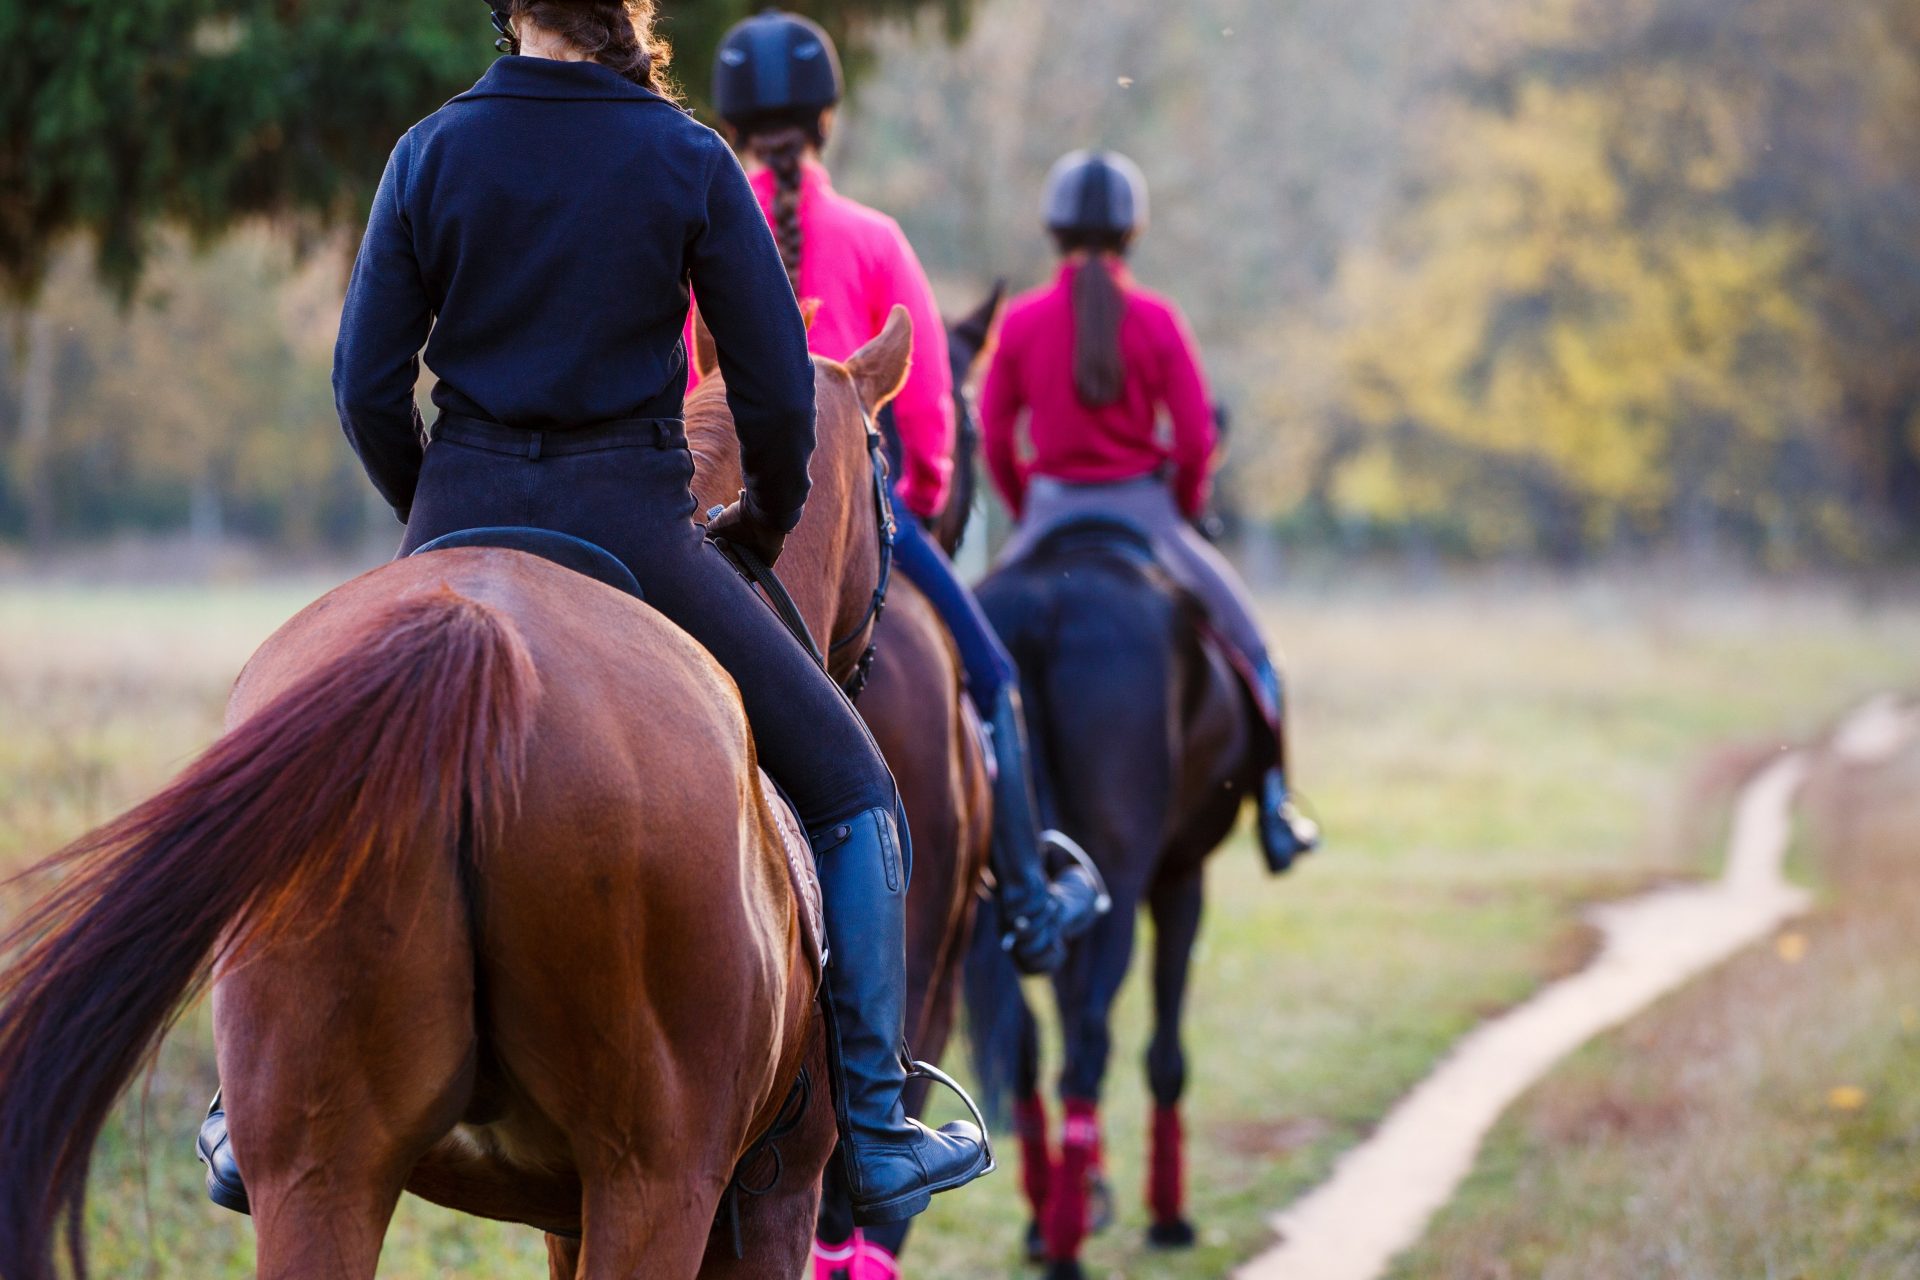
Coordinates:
(776,66)
(1096,194)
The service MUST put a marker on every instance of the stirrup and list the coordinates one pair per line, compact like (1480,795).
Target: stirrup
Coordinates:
(1068,845)
(918,1070)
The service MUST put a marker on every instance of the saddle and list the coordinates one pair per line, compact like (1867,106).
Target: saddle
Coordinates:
(583,557)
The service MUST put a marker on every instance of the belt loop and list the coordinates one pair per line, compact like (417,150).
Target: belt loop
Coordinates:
(662,434)
(533,448)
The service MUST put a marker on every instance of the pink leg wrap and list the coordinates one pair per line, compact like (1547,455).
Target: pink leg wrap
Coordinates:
(1066,1221)
(872,1261)
(836,1261)
(1036,1155)
(1166,1181)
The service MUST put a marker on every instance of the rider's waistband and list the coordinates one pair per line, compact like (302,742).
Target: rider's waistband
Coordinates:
(520,442)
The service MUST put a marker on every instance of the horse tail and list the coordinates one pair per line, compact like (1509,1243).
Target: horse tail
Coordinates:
(415,739)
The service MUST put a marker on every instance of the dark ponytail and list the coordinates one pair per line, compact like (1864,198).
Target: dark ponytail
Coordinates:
(782,147)
(617,34)
(1099,369)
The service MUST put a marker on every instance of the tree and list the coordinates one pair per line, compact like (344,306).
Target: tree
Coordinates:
(118,116)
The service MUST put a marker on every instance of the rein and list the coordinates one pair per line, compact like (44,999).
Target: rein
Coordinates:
(758,572)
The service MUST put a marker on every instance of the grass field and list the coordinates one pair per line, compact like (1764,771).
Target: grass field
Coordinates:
(1486,757)
(1764,1122)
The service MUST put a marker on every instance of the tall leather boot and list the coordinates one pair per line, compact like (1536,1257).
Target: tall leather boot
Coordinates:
(1285,832)
(893,1165)
(1041,917)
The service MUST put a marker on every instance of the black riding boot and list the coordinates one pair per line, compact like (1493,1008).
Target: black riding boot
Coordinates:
(1285,832)
(224,1186)
(1041,918)
(893,1165)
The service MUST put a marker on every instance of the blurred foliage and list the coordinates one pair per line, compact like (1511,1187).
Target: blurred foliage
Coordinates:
(119,115)
(1561,277)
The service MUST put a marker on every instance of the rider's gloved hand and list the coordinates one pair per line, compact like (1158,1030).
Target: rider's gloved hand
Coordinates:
(1035,938)
(743,526)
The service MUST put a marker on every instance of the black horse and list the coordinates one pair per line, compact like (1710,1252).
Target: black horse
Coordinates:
(1148,745)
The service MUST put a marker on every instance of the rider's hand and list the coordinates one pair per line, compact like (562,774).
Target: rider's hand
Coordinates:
(741,525)
(1037,942)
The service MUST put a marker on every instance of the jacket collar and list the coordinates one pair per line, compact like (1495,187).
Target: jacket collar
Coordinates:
(515,76)
(1116,267)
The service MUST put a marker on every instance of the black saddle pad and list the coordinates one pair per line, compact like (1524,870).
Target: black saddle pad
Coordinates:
(563,549)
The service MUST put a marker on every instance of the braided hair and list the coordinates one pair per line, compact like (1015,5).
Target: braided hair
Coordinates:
(782,148)
(617,34)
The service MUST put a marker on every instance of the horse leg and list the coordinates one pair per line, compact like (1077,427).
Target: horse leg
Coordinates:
(563,1257)
(636,1222)
(333,1098)
(1086,989)
(1031,1126)
(777,1226)
(1175,903)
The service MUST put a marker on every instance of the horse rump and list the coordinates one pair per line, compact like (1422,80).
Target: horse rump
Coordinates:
(417,733)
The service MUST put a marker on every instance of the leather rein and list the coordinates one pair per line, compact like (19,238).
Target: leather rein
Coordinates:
(758,572)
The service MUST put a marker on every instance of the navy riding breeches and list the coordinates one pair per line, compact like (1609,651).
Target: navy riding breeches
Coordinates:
(628,489)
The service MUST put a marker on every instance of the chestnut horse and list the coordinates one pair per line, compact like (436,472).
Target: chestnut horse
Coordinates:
(498,913)
(915,705)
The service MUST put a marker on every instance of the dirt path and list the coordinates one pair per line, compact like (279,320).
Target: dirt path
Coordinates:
(1383,1192)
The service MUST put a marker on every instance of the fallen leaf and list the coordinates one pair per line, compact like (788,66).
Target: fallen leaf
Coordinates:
(1792,947)
(1846,1097)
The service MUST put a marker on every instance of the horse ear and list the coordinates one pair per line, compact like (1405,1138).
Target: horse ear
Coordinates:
(978,323)
(879,369)
(809,312)
(706,355)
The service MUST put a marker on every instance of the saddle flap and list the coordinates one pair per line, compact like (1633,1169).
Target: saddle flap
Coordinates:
(801,871)
(583,557)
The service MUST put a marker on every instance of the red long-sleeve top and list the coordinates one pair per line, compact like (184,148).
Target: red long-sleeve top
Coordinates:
(1032,378)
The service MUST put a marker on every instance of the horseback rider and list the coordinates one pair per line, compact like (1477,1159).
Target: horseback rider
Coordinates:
(537,235)
(776,84)
(1090,362)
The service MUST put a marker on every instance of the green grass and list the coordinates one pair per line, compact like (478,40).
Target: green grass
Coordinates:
(1485,758)
(1761,1123)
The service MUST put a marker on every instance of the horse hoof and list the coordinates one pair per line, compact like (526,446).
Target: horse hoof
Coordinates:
(1067,1270)
(1036,1244)
(1099,1204)
(1177,1234)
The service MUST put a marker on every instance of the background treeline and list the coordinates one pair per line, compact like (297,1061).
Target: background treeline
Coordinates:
(1513,277)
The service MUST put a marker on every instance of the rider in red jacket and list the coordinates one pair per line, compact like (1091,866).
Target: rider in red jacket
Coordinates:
(1091,365)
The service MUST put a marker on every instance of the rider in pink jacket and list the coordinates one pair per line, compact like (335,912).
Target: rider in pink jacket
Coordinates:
(857,265)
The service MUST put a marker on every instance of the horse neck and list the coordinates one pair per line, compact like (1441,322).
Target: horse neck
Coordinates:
(832,559)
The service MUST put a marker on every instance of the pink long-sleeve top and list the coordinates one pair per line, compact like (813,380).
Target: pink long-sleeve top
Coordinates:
(857,264)
(1032,378)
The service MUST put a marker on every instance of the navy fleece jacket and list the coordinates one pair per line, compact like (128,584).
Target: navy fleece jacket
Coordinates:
(543,227)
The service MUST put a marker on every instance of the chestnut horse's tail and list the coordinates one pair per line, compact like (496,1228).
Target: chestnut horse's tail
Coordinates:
(417,734)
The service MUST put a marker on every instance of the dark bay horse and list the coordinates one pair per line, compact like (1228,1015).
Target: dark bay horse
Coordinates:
(1148,746)
(915,705)
(497,910)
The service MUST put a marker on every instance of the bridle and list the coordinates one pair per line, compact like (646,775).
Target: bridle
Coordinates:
(761,574)
(869,624)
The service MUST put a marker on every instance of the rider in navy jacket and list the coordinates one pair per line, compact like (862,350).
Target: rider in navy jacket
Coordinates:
(537,236)
(474,224)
